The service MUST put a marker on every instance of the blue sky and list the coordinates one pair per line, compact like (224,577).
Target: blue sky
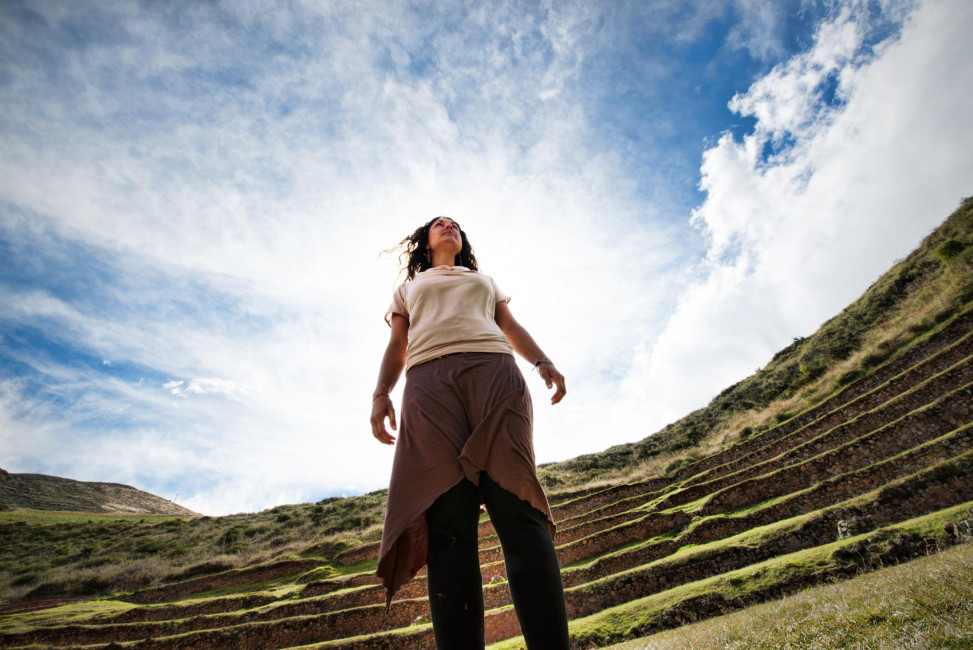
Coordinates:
(194,198)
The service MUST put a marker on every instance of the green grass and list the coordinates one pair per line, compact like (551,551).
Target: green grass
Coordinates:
(88,611)
(926,603)
(345,570)
(745,585)
(277,587)
(49,554)
(51,517)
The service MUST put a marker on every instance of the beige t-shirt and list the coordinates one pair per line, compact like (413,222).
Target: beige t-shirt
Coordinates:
(450,309)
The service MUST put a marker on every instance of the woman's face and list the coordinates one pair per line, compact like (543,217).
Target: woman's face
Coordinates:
(444,237)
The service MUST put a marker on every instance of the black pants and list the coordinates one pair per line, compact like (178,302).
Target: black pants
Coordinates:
(453,568)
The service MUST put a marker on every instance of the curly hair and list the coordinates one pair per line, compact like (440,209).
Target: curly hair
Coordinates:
(414,258)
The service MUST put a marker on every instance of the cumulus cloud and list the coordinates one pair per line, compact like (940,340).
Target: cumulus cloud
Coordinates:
(204,386)
(851,162)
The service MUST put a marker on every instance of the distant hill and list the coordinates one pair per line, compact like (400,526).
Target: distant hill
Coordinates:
(41,492)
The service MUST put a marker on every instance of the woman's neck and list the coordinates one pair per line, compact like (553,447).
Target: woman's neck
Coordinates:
(443,259)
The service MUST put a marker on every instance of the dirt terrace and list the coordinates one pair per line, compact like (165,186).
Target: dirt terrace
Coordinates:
(885,450)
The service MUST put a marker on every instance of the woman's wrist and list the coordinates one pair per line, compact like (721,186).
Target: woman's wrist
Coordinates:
(542,360)
(381,391)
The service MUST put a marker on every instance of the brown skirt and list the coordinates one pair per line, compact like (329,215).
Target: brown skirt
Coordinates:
(461,414)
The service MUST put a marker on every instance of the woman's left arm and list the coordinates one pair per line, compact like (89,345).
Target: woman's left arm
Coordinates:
(524,345)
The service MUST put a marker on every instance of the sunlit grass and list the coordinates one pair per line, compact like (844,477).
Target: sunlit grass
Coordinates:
(51,517)
(49,554)
(926,603)
(87,611)
(750,584)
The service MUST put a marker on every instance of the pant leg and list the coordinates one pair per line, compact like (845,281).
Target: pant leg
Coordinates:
(453,569)
(533,572)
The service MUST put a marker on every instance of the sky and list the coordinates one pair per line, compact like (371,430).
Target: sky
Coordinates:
(195,198)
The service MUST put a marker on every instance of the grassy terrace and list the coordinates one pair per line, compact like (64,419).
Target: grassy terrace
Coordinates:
(718,531)
(921,604)
(762,581)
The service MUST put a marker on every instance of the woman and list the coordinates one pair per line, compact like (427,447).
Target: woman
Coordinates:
(466,435)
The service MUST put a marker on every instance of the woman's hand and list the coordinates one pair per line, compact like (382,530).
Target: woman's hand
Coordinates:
(392,363)
(553,378)
(524,345)
(381,408)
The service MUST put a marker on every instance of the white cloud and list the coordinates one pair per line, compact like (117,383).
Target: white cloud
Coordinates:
(796,236)
(759,28)
(204,386)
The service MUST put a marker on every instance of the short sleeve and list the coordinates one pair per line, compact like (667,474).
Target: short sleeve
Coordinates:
(398,305)
(498,293)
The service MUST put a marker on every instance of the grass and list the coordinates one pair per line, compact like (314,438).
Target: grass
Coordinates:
(278,587)
(755,583)
(84,612)
(65,554)
(758,535)
(745,586)
(927,603)
(51,517)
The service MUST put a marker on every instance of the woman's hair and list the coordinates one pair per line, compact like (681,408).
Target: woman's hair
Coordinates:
(414,257)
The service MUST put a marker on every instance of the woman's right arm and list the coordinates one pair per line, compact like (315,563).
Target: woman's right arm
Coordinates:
(392,364)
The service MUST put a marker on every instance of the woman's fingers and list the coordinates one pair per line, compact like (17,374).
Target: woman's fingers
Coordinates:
(561,389)
(554,378)
(382,408)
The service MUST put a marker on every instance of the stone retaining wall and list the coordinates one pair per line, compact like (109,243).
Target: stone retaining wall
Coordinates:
(219,580)
(645,528)
(882,403)
(935,489)
(607,496)
(697,608)
(838,489)
(257,633)
(358,554)
(723,527)
(815,441)
(957,332)
(913,429)
(935,420)
(321,587)
(189,610)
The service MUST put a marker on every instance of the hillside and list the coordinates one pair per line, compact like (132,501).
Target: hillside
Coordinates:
(41,492)
(930,285)
(849,453)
